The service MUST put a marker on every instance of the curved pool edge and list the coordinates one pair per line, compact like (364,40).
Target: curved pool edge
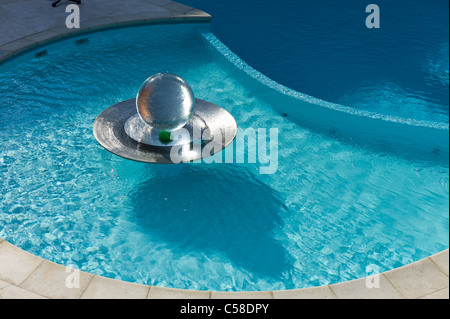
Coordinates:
(234,59)
(392,134)
(174,13)
(26,276)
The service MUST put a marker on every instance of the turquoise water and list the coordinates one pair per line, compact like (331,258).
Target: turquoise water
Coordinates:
(331,209)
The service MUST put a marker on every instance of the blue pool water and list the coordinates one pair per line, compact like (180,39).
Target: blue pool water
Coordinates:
(339,202)
(324,49)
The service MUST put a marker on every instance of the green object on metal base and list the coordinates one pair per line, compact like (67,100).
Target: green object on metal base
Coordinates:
(165,136)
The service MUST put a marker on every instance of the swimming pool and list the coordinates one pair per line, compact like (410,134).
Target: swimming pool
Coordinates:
(331,209)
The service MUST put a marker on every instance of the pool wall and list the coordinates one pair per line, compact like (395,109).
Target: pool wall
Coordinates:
(420,140)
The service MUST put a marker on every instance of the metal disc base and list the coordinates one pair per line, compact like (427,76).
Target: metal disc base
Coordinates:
(120,130)
(141,132)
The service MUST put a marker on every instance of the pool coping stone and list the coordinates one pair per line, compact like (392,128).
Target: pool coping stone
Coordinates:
(24,275)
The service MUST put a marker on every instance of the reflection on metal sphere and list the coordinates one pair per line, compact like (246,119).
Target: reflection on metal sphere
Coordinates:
(165,101)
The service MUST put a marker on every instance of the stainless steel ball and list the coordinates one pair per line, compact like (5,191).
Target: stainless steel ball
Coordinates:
(165,101)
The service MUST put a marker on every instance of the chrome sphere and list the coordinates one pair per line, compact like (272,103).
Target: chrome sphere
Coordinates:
(165,101)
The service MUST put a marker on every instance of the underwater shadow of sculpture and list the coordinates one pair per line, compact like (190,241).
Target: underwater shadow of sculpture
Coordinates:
(222,208)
